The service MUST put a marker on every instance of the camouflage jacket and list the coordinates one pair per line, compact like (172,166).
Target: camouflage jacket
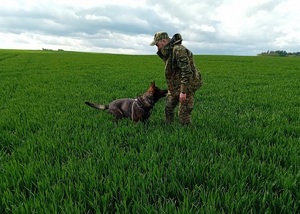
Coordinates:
(180,70)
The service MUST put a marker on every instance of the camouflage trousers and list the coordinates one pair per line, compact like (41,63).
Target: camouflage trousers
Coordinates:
(184,109)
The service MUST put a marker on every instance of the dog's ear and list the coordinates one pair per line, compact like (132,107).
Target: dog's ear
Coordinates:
(152,87)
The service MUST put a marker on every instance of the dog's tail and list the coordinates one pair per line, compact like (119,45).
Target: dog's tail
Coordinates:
(97,106)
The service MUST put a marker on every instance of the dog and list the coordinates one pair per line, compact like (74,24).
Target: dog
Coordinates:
(137,109)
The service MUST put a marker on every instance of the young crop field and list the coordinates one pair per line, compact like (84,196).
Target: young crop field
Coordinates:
(58,155)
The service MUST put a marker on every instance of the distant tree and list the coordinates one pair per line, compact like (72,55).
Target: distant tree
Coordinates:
(45,49)
(279,53)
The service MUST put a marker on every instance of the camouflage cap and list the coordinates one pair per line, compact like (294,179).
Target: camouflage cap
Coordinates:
(158,36)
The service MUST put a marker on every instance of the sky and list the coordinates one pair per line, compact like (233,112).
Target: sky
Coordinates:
(217,27)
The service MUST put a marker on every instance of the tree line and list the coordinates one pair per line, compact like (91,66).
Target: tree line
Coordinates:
(279,53)
(46,49)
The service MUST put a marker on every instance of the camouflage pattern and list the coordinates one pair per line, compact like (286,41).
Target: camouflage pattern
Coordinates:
(176,39)
(158,36)
(182,76)
(181,72)
(184,110)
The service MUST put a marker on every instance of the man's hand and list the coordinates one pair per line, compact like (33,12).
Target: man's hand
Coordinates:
(182,97)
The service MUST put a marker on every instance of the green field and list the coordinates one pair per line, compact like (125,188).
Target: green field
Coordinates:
(58,155)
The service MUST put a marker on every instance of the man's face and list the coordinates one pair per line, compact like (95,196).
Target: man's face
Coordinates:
(160,44)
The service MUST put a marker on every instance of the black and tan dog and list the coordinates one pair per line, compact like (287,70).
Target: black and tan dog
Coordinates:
(138,109)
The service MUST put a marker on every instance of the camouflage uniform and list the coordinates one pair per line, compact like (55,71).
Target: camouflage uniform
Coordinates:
(182,76)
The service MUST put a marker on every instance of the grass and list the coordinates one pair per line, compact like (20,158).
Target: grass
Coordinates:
(57,155)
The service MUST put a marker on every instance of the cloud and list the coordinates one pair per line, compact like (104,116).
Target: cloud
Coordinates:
(236,27)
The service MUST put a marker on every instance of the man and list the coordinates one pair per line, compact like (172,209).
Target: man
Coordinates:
(183,78)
